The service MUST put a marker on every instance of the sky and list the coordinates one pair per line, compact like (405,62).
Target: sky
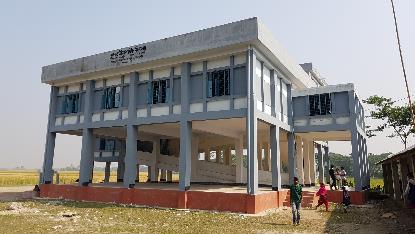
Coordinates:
(347,41)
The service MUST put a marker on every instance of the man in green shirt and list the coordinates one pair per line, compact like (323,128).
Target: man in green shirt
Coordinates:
(296,191)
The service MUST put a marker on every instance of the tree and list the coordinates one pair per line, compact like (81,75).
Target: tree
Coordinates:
(393,116)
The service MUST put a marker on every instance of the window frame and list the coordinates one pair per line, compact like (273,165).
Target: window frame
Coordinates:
(213,86)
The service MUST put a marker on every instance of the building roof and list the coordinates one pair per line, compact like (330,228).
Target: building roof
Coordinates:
(409,150)
(245,32)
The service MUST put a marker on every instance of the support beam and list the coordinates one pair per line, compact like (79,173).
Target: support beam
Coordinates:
(259,154)
(299,159)
(227,155)
(87,157)
(307,156)
(47,171)
(291,157)
(312,160)
(326,162)
(169,176)
(107,172)
(154,170)
(218,154)
(163,174)
(357,161)
(267,157)
(251,126)
(130,172)
(239,160)
(274,139)
(137,178)
(185,155)
(320,164)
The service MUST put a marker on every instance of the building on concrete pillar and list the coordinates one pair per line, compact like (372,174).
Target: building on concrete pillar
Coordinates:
(163,104)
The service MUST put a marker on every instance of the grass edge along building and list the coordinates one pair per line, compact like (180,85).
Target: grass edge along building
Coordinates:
(224,105)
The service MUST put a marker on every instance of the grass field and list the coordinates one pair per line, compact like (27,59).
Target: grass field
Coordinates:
(31,177)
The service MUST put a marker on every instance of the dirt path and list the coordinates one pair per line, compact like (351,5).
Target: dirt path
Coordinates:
(15,193)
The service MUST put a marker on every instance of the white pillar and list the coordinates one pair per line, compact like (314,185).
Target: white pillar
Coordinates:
(275,157)
(107,172)
(299,161)
(239,160)
(154,171)
(312,160)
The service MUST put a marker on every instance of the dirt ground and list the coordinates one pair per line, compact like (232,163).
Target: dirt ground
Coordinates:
(19,214)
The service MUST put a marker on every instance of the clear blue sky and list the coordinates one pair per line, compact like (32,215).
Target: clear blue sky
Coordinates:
(348,41)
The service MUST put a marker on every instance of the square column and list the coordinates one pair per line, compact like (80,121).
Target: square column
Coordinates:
(47,171)
(357,161)
(320,164)
(137,178)
(274,139)
(87,157)
(163,175)
(227,155)
(239,160)
(169,178)
(326,162)
(218,154)
(307,156)
(267,159)
(312,160)
(107,172)
(292,172)
(120,170)
(130,160)
(185,159)
(154,170)
(251,126)
(299,159)
(259,154)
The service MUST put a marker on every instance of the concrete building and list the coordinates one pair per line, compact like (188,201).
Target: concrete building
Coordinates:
(223,105)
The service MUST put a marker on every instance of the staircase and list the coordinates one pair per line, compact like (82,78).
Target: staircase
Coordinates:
(309,199)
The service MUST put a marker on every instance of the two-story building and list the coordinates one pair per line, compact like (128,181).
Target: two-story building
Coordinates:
(224,105)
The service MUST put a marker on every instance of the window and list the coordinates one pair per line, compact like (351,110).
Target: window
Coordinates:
(111,98)
(160,91)
(145,146)
(106,144)
(218,83)
(320,104)
(71,104)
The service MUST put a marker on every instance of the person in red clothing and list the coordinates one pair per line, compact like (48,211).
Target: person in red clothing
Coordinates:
(322,192)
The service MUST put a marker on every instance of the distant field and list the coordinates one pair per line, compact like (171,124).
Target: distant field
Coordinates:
(31,177)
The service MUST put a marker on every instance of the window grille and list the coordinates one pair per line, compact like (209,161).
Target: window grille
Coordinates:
(111,98)
(218,83)
(160,91)
(320,104)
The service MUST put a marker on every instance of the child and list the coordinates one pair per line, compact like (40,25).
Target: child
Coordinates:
(295,199)
(322,192)
(346,199)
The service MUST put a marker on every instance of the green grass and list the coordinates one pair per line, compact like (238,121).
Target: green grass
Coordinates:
(31,177)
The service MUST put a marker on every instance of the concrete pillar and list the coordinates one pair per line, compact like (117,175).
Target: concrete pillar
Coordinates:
(130,160)
(185,155)
(260,154)
(87,157)
(154,170)
(307,156)
(395,177)
(312,160)
(163,175)
(137,178)
(207,155)
(120,170)
(251,125)
(218,154)
(274,139)
(48,158)
(227,155)
(239,160)
(320,164)
(299,159)
(107,172)
(267,157)
(148,173)
(326,162)
(292,172)
(357,160)
(47,171)
(194,157)
(169,178)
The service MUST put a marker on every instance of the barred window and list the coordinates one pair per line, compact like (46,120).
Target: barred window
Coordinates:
(71,104)
(111,98)
(106,144)
(160,91)
(320,104)
(218,83)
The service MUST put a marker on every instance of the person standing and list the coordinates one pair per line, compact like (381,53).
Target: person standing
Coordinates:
(343,176)
(296,191)
(410,191)
(322,193)
(346,199)
(332,177)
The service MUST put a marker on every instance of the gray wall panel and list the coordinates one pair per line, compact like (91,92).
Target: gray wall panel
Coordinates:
(341,104)
(176,91)
(240,82)
(125,95)
(142,94)
(196,87)
(267,94)
(299,106)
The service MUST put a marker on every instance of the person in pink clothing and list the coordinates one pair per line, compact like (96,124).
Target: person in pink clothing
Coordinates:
(322,193)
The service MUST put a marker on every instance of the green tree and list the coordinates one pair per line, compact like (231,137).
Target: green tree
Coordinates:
(392,116)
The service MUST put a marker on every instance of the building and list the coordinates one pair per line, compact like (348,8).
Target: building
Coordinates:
(223,105)
(395,170)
